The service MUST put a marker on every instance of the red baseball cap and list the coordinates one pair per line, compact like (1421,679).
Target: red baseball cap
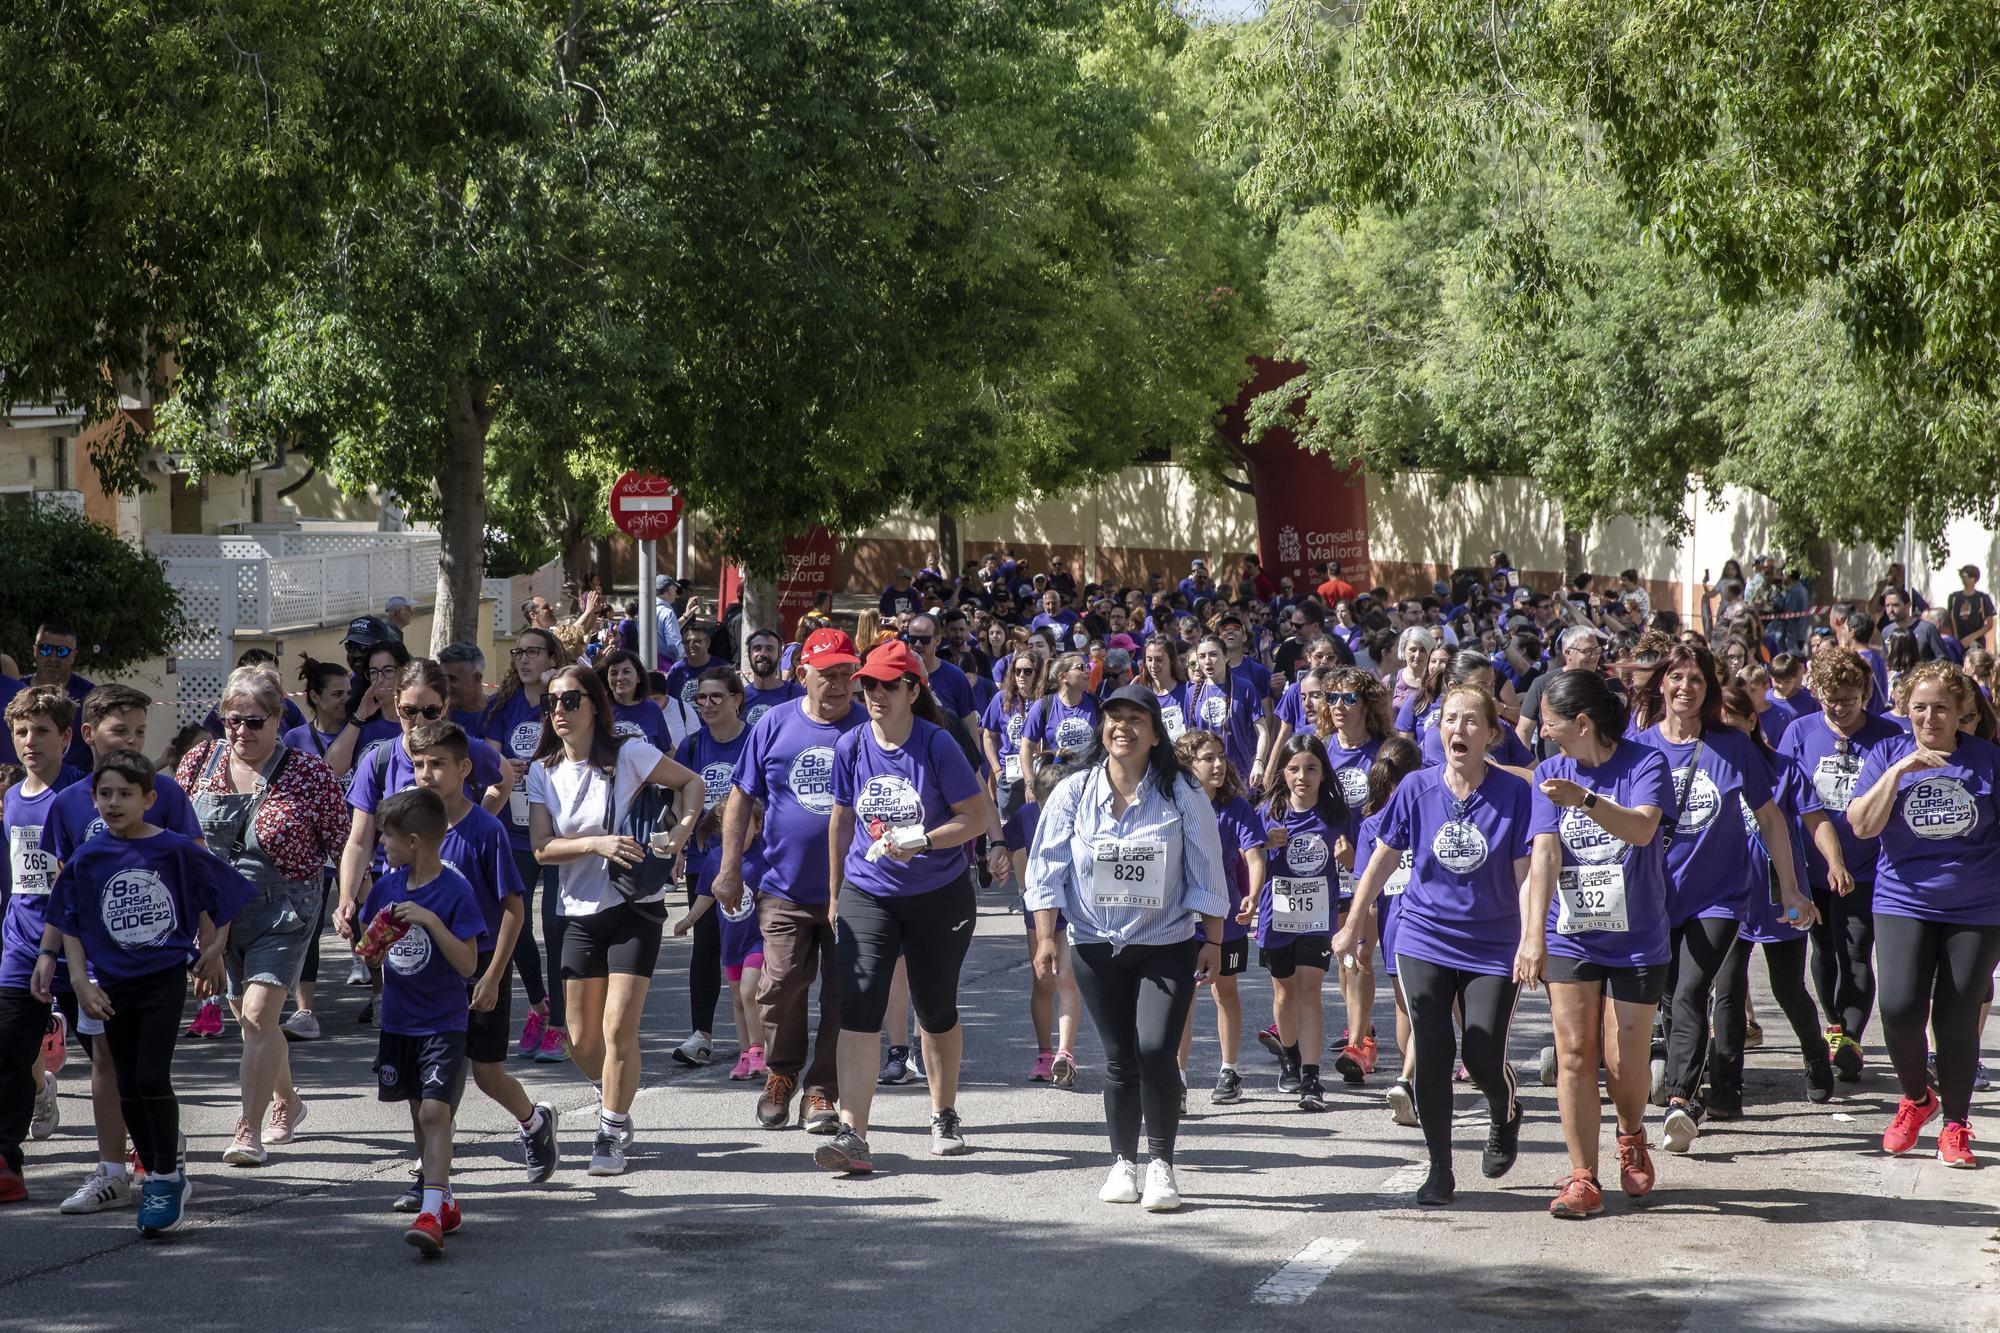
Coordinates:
(828,647)
(893,660)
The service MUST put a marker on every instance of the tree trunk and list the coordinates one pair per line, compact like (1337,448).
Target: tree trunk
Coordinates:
(760,608)
(1572,551)
(605,574)
(949,547)
(461,484)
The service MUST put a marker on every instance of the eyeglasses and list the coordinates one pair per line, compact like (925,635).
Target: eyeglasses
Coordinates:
(383,672)
(56,650)
(246,723)
(1348,698)
(569,701)
(528,651)
(919,640)
(428,712)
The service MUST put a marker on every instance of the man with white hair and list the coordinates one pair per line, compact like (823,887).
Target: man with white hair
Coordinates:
(1579,649)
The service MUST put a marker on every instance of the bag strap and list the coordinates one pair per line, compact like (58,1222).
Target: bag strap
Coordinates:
(1681,793)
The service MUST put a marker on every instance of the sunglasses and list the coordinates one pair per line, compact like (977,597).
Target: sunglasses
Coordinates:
(870,684)
(56,650)
(569,701)
(1348,698)
(709,697)
(919,640)
(428,712)
(244,723)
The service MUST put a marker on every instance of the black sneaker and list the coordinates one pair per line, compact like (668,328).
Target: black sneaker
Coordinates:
(1228,1088)
(1439,1188)
(538,1149)
(1503,1145)
(1723,1104)
(1819,1078)
(846,1152)
(1312,1095)
(1288,1077)
(411,1200)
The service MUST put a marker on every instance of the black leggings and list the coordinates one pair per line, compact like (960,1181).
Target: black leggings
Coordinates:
(1139,998)
(1785,964)
(1941,973)
(144,1025)
(1701,949)
(1843,956)
(705,966)
(1487,1002)
(23,1020)
(931,932)
(310,972)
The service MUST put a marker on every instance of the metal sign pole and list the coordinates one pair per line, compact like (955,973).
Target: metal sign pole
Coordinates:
(649,616)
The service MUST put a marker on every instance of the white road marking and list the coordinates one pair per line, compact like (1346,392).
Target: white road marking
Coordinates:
(1303,1272)
(1404,1183)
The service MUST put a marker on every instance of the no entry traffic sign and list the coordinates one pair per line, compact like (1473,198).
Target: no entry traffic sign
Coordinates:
(645,507)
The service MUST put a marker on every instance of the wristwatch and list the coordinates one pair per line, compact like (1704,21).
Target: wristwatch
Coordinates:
(927,842)
(1590,800)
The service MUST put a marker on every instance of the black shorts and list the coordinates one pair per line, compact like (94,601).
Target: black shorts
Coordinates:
(620,940)
(1644,984)
(930,931)
(414,1069)
(486,1035)
(1235,956)
(1303,951)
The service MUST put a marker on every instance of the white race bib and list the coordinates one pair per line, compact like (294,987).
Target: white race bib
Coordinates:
(1399,879)
(1593,898)
(1175,720)
(1011,766)
(1129,872)
(1299,904)
(34,869)
(517,803)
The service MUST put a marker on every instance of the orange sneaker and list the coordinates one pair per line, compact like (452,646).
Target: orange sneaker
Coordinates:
(1369,1054)
(1635,1165)
(1577,1196)
(1351,1064)
(1955,1145)
(1901,1136)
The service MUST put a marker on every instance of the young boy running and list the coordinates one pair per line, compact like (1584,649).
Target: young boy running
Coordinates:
(128,909)
(477,847)
(427,946)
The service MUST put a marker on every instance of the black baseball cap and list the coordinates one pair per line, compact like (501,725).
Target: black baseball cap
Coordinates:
(367,631)
(1143,696)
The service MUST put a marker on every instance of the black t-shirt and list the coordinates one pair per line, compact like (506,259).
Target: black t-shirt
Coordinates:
(1967,613)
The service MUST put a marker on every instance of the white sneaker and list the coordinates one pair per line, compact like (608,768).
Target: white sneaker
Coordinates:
(1163,1193)
(1658,1092)
(607,1156)
(1680,1130)
(358,974)
(301,1026)
(100,1190)
(694,1051)
(48,1111)
(1122,1185)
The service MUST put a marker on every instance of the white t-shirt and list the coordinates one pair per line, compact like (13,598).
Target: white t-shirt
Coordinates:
(573,794)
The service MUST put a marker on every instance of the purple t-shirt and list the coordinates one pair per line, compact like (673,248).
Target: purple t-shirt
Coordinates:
(1009,727)
(514,728)
(1776,720)
(1230,712)
(1240,828)
(1763,919)
(386,770)
(1389,906)
(1174,710)
(1019,831)
(30,875)
(1462,907)
(422,993)
(1305,865)
(73,817)
(952,690)
(644,720)
(1061,729)
(1633,776)
(1413,723)
(136,903)
(788,765)
(913,784)
(477,847)
(716,762)
(1708,858)
(682,678)
(1878,701)
(1832,764)
(758,701)
(312,740)
(1940,854)
(1350,769)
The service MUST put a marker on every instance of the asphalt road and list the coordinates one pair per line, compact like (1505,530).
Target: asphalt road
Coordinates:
(1788,1219)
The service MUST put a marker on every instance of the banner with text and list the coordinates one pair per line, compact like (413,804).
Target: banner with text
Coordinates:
(1310,510)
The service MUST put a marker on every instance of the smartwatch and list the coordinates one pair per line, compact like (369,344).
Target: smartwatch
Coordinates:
(1590,800)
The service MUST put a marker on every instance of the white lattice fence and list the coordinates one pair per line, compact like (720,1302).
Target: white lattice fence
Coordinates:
(204,653)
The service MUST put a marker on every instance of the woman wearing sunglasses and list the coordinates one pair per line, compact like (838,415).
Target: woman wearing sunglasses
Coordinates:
(581,788)
(422,695)
(1003,727)
(513,723)
(275,814)
(905,803)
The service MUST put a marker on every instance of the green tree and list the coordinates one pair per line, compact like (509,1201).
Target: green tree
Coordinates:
(65,569)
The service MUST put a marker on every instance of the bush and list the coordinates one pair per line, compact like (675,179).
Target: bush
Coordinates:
(60,566)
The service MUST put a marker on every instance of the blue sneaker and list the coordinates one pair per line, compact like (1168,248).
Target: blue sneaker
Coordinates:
(895,1066)
(162,1205)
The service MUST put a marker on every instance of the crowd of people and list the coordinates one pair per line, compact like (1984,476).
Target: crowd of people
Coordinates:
(1470,794)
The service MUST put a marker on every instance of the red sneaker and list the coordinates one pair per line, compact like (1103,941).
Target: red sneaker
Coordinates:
(13,1189)
(1578,1196)
(426,1233)
(1370,1052)
(1901,1136)
(1635,1165)
(55,1042)
(450,1218)
(1954,1145)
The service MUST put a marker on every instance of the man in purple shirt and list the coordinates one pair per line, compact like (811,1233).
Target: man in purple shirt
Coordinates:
(787,766)
(55,667)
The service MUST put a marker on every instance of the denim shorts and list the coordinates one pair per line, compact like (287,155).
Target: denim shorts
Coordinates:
(269,937)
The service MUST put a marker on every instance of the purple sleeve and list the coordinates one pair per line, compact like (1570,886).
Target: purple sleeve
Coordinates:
(1394,829)
(464,919)
(61,909)
(1520,819)
(955,777)
(1406,715)
(846,760)
(364,783)
(749,775)
(1543,817)
(1878,760)
(1652,783)
(219,889)
(485,765)
(500,858)
(179,815)
(1756,776)
(1037,728)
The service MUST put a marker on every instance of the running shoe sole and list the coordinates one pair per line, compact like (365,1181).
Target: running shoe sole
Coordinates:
(1063,1075)
(833,1157)
(1402,1105)
(1679,1132)
(1269,1041)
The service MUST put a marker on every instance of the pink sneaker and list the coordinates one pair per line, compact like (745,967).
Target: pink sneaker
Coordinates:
(554,1048)
(531,1034)
(756,1054)
(743,1069)
(207,1021)
(55,1042)
(1044,1070)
